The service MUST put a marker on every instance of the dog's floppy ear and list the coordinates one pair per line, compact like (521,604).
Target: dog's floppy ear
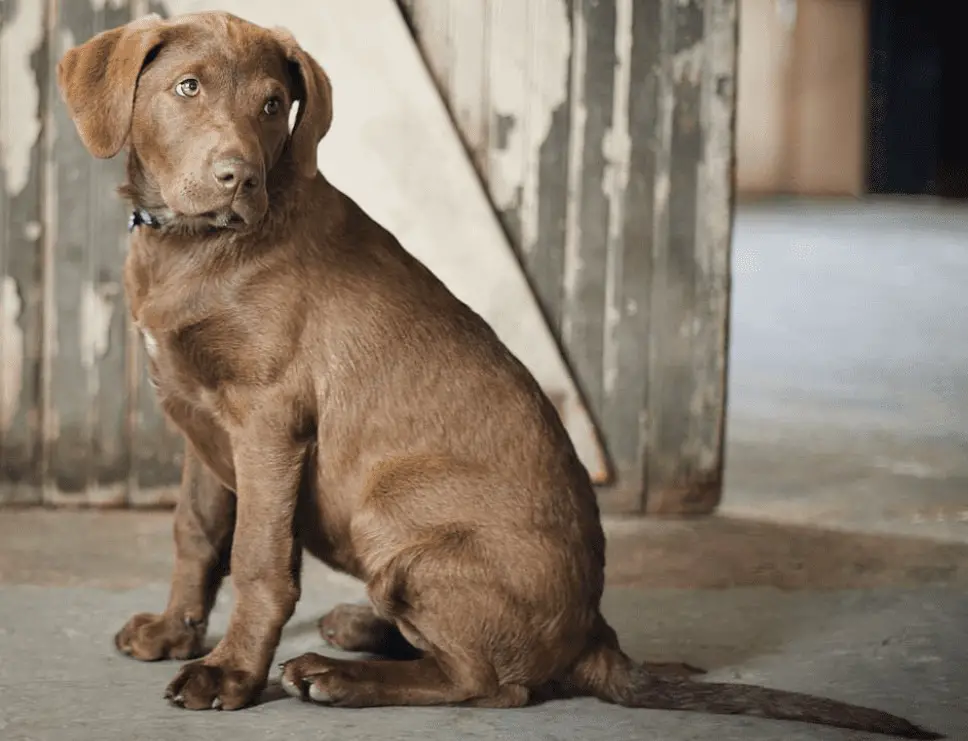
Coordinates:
(98,79)
(315,95)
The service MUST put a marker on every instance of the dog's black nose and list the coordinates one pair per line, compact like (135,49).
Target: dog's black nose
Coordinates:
(234,173)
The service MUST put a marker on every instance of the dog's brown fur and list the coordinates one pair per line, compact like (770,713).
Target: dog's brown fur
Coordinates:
(335,396)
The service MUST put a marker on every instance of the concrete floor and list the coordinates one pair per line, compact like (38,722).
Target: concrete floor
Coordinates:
(878,620)
(848,376)
(838,565)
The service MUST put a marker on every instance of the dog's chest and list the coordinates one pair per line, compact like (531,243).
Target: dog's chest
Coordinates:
(168,372)
(173,372)
(206,332)
(209,356)
(200,361)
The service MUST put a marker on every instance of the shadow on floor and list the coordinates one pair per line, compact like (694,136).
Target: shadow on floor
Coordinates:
(721,552)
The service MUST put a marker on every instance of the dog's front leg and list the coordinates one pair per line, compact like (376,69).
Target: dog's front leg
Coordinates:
(265,572)
(204,520)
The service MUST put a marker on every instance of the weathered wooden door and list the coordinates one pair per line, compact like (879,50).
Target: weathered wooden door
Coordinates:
(604,132)
(572,183)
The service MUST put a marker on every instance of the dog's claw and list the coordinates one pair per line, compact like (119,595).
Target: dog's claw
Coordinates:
(217,703)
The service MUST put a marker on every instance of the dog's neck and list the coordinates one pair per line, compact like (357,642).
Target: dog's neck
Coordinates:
(141,191)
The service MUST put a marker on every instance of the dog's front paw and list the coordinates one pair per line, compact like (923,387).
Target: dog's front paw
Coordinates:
(215,686)
(149,637)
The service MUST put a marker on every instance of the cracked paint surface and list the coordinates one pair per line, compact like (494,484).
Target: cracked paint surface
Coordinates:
(96,311)
(21,35)
(12,344)
(528,82)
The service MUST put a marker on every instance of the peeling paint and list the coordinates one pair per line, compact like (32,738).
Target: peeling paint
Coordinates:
(663,185)
(21,35)
(665,104)
(574,264)
(67,39)
(96,310)
(467,29)
(714,207)
(11,350)
(617,144)
(503,126)
(100,5)
(786,11)
(713,228)
(529,81)
(618,152)
(687,65)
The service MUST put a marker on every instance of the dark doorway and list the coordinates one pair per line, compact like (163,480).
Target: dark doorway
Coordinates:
(918,98)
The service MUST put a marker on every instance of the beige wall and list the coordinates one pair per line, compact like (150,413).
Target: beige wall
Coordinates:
(802,97)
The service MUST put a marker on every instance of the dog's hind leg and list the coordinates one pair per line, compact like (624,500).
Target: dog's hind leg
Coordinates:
(421,681)
(358,628)
(455,666)
(204,521)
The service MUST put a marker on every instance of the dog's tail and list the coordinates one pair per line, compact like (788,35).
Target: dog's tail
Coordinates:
(610,675)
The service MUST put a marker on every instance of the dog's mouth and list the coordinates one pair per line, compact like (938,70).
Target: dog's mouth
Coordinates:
(225,218)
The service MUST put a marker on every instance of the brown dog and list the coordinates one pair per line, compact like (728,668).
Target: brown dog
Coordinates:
(335,396)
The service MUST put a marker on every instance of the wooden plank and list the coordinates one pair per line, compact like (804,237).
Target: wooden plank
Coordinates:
(468,94)
(529,127)
(508,71)
(715,205)
(586,243)
(546,197)
(431,19)
(686,399)
(504,69)
(454,41)
(631,238)
(85,416)
(23,70)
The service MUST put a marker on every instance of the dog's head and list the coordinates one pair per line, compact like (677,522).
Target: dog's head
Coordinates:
(203,100)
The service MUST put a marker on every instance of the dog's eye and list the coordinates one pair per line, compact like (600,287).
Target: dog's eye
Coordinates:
(272,106)
(187,88)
